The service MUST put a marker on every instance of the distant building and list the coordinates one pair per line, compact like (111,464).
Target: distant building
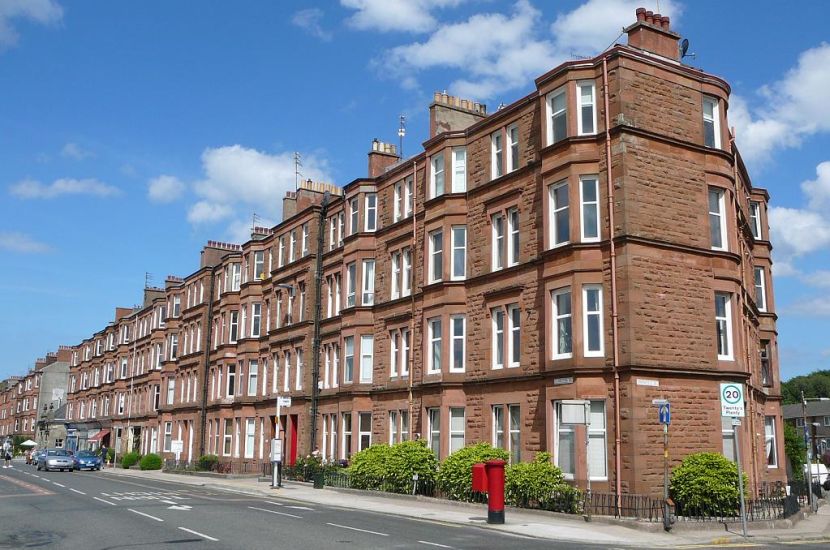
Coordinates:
(817,423)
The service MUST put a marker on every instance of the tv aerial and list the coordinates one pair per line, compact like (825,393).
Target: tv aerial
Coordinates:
(684,48)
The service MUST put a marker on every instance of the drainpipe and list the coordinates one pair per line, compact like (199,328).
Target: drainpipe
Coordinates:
(318,301)
(208,343)
(614,315)
(411,357)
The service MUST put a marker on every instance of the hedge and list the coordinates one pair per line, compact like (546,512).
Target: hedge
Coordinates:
(455,476)
(128,459)
(207,462)
(706,484)
(150,462)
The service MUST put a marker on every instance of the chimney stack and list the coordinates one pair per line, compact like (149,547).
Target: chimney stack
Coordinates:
(382,156)
(452,114)
(652,32)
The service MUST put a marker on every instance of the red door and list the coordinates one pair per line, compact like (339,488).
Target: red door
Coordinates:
(292,457)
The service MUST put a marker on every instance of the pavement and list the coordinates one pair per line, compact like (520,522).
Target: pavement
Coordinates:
(814,530)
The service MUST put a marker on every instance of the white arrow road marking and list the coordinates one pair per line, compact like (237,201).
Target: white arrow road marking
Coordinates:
(199,534)
(180,507)
(274,512)
(145,515)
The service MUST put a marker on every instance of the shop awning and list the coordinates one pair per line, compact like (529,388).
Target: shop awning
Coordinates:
(99,436)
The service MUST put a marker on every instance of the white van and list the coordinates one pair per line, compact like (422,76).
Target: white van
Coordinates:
(819,471)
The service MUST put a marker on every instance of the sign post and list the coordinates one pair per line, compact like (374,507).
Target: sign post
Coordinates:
(276,445)
(664,416)
(732,405)
(177,446)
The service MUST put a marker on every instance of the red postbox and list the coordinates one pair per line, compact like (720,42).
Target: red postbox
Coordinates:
(479,478)
(494,472)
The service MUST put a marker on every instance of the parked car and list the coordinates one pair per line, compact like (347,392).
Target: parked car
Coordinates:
(56,459)
(36,456)
(820,474)
(87,460)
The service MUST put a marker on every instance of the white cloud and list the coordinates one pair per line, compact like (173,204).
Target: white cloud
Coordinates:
(789,110)
(239,181)
(33,189)
(309,20)
(165,188)
(819,278)
(818,306)
(818,190)
(75,151)
(19,242)
(45,12)
(497,52)
(395,15)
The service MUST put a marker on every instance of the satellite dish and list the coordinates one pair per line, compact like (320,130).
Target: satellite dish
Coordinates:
(684,47)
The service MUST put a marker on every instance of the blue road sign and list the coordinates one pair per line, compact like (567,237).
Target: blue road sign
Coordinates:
(664,412)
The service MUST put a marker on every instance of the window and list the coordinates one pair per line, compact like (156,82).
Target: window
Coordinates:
(259,265)
(237,279)
(256,320)
(351,275)
(304,241)
(458,325)
(497,155)
(770,444)
(456,429)
(171,390)
(353,214)
(434,345)
(298,375)
(332,232)
(589,196)
(511,444)
(436,256)
(367,342)
(505,246)
(459,252)
(364,430)
(755,218)
(592,320)
(348,358)
(368,282)
(227,437)
(394,350)
(434,430)
(506,340)
(347,435)
(498,337)
(405,352)
(250,433)
(408,197)
(168,436)
(395,291)
(562,324)
(766,372)
(281,252)
(711,122)
(253,374)
(597,446)
(512,147)
(406,275)
(557,111)
(234,332)
(174,346)
(231,389)
(723,324)
(459,169)
(177,305)
(437,172)
(514,316)
(289,311)
(397,202)
(393,427)
(286,371)
(587,121)
(826,421)
(760,289)
(717,226)
(499,241)
(560,232)
(371,214)
(302,301)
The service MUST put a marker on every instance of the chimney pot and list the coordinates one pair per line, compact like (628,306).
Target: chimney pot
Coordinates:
(650,17)
(666,23)
(641,14)
(658,20)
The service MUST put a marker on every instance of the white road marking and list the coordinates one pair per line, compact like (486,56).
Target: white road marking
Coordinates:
(356,529)
(145,515)
(59,484)
(77,491)
(108,502)
(274,503)
(198,534)
(274,512)
(434,544)
(168,502)
(301,508)
(182,507)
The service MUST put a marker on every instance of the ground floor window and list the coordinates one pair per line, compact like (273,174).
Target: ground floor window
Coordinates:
(365,430)
(228,437)
(456,428)
(347,435)
(771,446)
(565,442)
(434,429)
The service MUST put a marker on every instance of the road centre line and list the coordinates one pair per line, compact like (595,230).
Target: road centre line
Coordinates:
(108,502)
(434,544)
(356,529)
(274,503)
(199,534)
(145,515)
(59,484)
(275,512)
(77,491)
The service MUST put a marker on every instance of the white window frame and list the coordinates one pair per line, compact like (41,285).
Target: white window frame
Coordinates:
(437,175)
(371,212)
(368,292)
(434,430)
(367,352)
(253,376)
(498,351)
(457,340)
(557,210)
(770,435)
(581,104)
(498,222)
(720,214)
(433,340)
(458,269)
(459,170)
(496,154)
(555,324)
(354,210)
(714,120)
(304,242)
(406,272)
(436,236)
(394,350)
(585,205)
(514,326)
(755,219)
(726,322)
(395,289)
(348,359)
(456,435)
(512,148)
(760,289)
(551,115)
(250,437)
(586,315)
(256,319)
(351,284)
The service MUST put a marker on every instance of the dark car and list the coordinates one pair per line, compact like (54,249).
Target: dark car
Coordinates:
(56,459)
(87,460)
(37,454)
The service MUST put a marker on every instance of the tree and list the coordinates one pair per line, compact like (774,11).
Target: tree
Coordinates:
(816,384)
(795,451)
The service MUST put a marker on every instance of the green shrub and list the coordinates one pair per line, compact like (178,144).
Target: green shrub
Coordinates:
(129,459)
(207,462)
(795,451)
(706,484)
(369,467)
(532,482)
(150,462)
(407,459)
(305,469)
(110,456)
(455,476)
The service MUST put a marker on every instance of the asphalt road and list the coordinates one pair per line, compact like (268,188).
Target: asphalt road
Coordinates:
(87,510)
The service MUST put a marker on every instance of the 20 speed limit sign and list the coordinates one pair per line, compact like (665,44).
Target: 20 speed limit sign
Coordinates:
(732,399)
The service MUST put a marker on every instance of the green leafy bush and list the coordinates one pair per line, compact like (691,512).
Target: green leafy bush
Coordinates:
(150,462)
(207,462)
(795,451)
(129,459)
(706,484)
(110,456)
(369,467)
(455,476)
(527,483)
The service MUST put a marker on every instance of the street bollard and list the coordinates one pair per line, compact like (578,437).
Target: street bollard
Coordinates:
(495,491)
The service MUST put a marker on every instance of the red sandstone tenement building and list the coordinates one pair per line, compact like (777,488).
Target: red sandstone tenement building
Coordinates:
(597,239)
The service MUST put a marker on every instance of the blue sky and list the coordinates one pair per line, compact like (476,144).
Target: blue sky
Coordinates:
(131,133)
